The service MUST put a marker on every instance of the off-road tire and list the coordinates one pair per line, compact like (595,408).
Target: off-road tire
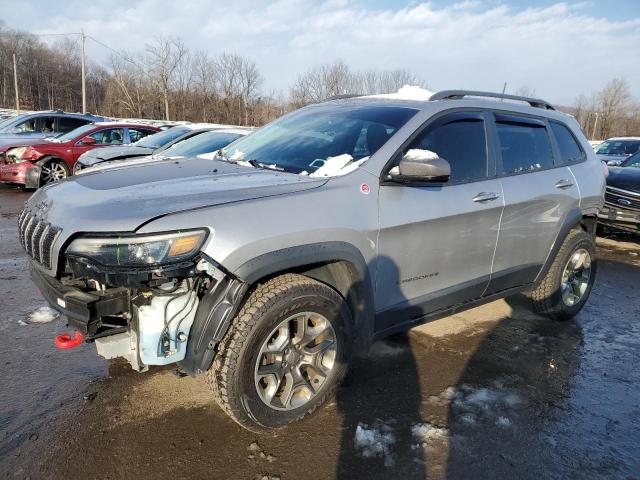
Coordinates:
(547,296)
(231,376)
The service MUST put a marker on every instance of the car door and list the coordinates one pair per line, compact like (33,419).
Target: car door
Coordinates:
(538,194)
(104,137)
(436,242)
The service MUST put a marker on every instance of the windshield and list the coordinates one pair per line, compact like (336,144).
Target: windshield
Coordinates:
(303,141)
(160,139)
(206,142)
(633,161)
(78,132)
(618,147)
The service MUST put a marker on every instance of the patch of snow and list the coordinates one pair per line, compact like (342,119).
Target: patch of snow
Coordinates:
(332,166)
(208,155)
(43,315)
(375,441)
(428,434)
(237,155)
(503,422)
(407,92)
(421,155)
(22,323)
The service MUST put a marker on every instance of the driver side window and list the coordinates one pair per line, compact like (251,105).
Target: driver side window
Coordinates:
(459,139)
(108,136)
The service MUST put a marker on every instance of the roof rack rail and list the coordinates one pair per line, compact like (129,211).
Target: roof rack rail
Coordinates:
(460,94)
(341,97)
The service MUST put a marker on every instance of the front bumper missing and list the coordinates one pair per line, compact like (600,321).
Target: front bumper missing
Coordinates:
(86,312)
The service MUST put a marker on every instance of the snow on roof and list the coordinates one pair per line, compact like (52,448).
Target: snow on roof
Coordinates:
(407,92)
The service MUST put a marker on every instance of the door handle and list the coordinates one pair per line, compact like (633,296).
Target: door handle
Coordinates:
(564,184)
(486,197)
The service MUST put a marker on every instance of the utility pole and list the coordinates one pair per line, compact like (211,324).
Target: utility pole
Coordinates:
(595,124)
(84,87)
(15,83)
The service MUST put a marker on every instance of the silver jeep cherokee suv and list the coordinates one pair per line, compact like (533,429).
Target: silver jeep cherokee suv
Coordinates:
(338,224)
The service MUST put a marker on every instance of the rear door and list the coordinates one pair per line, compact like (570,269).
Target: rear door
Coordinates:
(436,242)
(539,191)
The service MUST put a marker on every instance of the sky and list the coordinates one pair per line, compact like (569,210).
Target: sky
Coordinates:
(557,49)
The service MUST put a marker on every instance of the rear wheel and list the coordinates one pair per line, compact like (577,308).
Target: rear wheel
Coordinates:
(284,354)
(53,171)
(566,287)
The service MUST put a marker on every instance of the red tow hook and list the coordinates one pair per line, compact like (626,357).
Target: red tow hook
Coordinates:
(65,342)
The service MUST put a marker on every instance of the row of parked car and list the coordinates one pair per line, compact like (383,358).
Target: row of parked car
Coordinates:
(44,147)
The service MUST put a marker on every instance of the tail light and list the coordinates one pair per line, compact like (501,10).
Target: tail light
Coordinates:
(605,169)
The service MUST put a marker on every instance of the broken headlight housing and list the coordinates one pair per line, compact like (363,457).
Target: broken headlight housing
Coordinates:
(139,250)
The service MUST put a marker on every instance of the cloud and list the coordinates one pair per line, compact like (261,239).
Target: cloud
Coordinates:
(559,50)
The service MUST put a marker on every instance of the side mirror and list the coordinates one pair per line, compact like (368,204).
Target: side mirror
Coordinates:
(88,141)
(15,130)
(418,166)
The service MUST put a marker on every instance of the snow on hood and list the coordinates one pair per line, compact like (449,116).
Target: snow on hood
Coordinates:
(407,92)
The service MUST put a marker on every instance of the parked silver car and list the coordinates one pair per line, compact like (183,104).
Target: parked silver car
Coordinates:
(267,267)
(37,125)
(614,151)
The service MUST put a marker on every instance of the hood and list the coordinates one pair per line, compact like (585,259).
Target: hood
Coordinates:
(24,143)
(121,199)
(98,155)
(626,178)
(7,138)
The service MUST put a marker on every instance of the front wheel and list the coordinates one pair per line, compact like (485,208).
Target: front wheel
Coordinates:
(566,287)
(53,171)
(284,354)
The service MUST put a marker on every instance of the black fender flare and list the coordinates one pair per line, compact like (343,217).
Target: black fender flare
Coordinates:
(218,306)
(572,220)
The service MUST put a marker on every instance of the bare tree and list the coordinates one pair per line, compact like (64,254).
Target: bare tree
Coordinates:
(163,58)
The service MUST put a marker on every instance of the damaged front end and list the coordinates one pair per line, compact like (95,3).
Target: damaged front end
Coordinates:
(151,299)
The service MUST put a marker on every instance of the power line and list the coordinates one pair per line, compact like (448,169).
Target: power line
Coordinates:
(125,57)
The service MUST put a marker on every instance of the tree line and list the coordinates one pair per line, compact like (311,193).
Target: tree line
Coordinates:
(166,80)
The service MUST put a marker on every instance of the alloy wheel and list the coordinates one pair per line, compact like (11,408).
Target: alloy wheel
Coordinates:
(575,277)
(295,361)
(52,172)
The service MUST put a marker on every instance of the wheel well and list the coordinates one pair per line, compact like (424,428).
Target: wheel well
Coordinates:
(588,224)
(352,285)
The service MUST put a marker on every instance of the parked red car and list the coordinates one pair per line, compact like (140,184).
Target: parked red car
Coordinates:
(35,163)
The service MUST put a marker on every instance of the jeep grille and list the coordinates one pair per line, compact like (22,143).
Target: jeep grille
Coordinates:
(37,237)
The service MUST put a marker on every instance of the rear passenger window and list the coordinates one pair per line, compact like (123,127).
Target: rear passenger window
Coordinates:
(459,139)
(570,151)
(136,134)
(524,144)
(66,124)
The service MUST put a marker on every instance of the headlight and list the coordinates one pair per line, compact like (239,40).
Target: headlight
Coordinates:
(139,250)
(15,154)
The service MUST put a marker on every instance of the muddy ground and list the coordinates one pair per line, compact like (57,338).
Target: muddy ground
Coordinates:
(495,392)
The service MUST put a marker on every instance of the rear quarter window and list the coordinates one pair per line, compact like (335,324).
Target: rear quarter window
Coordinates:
(570,151)
(524,145)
